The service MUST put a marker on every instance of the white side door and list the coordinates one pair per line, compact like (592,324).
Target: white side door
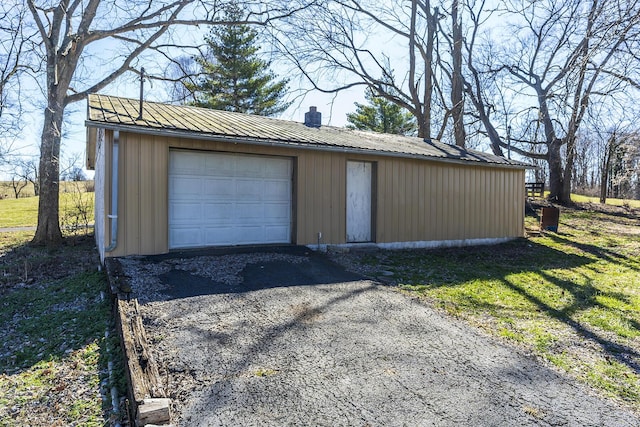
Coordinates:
(359,201)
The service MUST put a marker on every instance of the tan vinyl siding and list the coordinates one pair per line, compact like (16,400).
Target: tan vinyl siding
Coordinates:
(142,195)
(434,201)
(414,200)
(321,197)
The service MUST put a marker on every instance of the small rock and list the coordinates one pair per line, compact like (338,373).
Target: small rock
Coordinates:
(387,273)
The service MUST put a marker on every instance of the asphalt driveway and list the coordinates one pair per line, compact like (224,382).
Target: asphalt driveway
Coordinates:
(287,338)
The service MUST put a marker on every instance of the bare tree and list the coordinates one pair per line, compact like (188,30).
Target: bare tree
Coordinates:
(182,72)
(70,169)
(27,170)
(480,82)
(71,31)
(17,184)
(347,43)
(17,42)
(561,58)
(611,146)
(457,101)
(620,168)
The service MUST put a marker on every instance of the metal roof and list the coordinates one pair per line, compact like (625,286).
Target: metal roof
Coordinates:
(193,122)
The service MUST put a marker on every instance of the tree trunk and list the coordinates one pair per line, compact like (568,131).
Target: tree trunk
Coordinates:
(569,165)
(556,174)
(604,183)
(422,109)
(606,167)
(432,25)
(457,108)
(423,128)
(48,230)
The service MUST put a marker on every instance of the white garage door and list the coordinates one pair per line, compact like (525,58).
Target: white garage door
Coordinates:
(228,199)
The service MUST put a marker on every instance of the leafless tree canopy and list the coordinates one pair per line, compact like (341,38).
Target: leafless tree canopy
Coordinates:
(342,44)
(530,72)
(17,44)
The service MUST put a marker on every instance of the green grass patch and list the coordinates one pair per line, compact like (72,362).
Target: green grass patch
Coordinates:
(57,337)
(54,317)
(579,198)
(615,378)
(7,192)
(571,297)
(52,343)
(610,201)
(23,212)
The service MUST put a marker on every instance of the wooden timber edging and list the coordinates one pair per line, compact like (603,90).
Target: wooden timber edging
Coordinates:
(149,402)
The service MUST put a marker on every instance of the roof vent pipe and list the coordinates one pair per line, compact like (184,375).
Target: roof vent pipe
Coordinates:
(313,118)
(141,91)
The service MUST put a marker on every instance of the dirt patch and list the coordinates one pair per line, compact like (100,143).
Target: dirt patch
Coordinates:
(22,264)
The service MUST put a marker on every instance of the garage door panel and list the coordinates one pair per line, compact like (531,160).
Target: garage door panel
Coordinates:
(248,234)
(277,234)
(219,213)
(276,190)
(276,212)
(187,164)
(252,167)
(220,165)
(218,188)
(228,199)
(253,212)
(185,212)
(185,187)
(185,237)
(217,236)
(279,168)
(249,189)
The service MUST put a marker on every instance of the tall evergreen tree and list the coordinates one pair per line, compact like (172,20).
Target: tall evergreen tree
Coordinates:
(381,115)
(235,78)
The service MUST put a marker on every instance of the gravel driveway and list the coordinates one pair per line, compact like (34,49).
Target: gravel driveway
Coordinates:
(290,339)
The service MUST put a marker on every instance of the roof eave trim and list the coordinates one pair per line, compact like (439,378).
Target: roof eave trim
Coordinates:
(301,145)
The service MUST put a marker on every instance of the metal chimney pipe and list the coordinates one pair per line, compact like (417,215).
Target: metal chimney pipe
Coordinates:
(313,118)
(141,91)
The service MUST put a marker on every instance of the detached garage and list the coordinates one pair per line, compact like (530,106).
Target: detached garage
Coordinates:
(177,177)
